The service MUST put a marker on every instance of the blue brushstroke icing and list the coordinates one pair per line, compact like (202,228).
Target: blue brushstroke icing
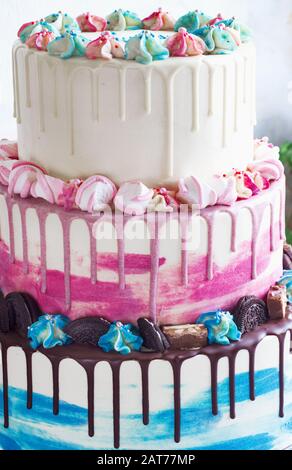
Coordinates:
(40,429)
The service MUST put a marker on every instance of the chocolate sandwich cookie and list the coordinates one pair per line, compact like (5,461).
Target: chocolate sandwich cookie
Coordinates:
(287,256)
(24,309)
(249,313)
(87,330)
(7,322)
(153,338)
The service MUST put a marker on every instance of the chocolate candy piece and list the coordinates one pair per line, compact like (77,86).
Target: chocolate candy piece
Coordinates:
(87,330)
(186,336)
(6,319)
(277,302)
(287,256)
(24,310)
(249,313)
(153,338)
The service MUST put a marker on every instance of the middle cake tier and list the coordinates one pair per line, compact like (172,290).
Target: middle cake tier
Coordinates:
(156,123)
(170,267)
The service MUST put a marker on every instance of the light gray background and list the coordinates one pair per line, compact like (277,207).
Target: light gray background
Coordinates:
(270,20)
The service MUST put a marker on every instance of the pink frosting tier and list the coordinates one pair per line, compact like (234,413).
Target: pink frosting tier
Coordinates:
(124,284)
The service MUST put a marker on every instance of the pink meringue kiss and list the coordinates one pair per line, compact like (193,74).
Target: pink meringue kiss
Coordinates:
(40,40)
(196,193)
(243,192)
(163,201)
(264,150)
(105,46)
(24,26)
(8,149)
(225,188)
(47,188)
(159,21)
(95,194)
(183,44)
(22,177)
(249,183)
(89,23)
(67,198)
(270,169)
(133,198)
(218,18)
(5,170)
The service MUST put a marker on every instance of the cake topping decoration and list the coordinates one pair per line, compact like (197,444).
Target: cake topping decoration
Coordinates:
(5,170)
(192,21)
(144,48)
(153,338)
(184,44)
(163,201)
(221,327)
(121,338)
(106,46)
(22,177)
(48,332)
(47,187)
(217,38)
(287,256)
(183,337)
(68,44)
(225,188)
(8,149)
(277,302)
(68,195)
(286,280)
(62,22)
(87,330)
(120,20)
(264,150)
(24,311)
(271,169)
(249,313)
(133,198)
(159,21)
(7,321)
(95,194)
(40,40)
(89,23)
(195,192)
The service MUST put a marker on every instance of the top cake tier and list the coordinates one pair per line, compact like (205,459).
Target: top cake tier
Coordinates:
(155,123)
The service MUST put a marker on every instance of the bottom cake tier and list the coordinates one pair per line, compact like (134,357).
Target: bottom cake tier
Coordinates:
(218,397)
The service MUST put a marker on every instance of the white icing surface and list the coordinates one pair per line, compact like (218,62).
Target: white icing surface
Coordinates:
(128,121)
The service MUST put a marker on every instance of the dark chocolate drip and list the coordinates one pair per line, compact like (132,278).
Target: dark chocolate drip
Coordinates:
(281,339)
(176,367)
(29,386)
(231,360)
(89,356)
(5,385)
(251,374)
(56,391)
(214,386)
(89,369)
(145,391)
(115,366)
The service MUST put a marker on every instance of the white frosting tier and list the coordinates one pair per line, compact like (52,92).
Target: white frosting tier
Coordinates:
(125,120)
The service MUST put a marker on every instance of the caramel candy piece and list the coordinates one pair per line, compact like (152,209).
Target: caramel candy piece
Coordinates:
(186,336)
(277,302)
